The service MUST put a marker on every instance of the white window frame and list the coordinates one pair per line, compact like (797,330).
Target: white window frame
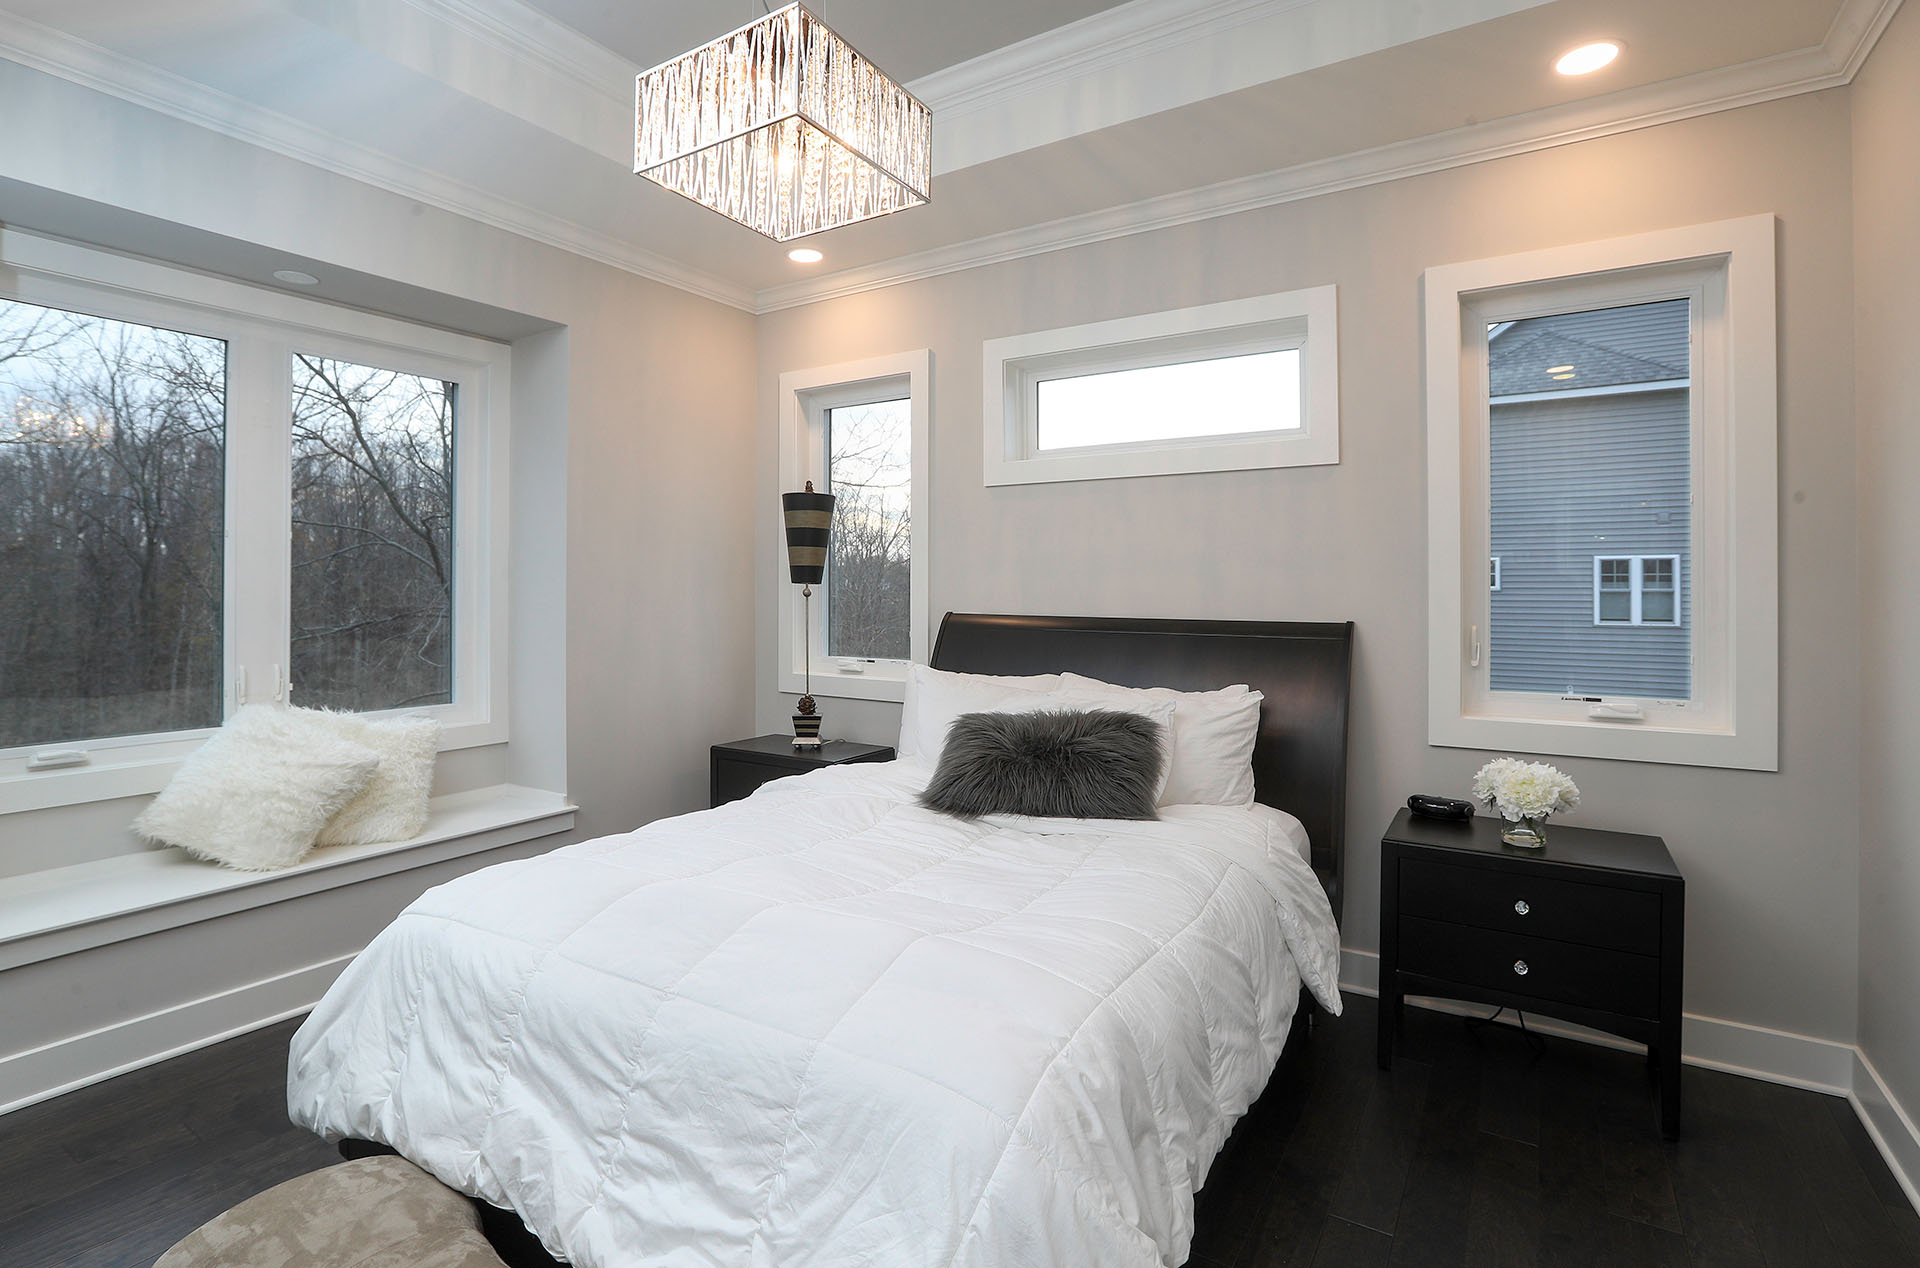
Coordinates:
(1494,580)
(805,398)
(1637,572)
(1726,269)
(263,329)
(1014,366)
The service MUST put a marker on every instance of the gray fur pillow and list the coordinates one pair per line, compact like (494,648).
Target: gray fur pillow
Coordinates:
(1067,764)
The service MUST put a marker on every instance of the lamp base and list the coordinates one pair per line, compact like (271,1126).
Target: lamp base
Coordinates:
(806,730)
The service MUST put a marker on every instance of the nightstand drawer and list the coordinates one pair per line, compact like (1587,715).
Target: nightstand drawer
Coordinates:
(1563,972)
(1568,911)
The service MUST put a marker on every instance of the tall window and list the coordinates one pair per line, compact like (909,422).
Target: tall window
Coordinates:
(1601,423)
(1590,433)
(112,513)
(213,495)
(372,536)
(870,562)
(859,431)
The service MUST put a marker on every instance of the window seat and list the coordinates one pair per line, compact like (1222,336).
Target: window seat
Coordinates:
(65,909)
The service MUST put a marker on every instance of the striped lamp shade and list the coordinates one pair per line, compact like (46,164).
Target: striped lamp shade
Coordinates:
(809,518)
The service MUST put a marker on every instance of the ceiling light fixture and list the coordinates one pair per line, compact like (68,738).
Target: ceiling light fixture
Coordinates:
(294,277)
(1587,58)
(805,255)
(783,127)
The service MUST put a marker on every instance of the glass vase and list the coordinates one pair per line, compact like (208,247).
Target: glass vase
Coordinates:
(1528,834)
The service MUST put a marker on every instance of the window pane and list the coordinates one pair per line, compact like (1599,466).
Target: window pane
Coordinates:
(869,569)
(1657,598)
(1227,396)
(1590,453)
(372,536)
(112,517)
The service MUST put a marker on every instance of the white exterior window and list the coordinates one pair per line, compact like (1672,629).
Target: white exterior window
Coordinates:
(1636,590)
(1601,424)
(213,495)
(1493,573)
(859,432)
(1223,387)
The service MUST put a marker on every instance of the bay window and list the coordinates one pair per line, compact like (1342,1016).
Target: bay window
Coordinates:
(213,494)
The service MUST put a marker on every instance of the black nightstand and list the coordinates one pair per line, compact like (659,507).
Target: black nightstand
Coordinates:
(1589,930)
(740,766)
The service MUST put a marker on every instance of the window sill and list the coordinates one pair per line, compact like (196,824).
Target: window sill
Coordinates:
(66,909)
(143,776)
(875,685)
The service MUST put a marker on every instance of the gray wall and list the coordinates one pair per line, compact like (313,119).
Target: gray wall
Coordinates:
(1773,885)
(1886,159)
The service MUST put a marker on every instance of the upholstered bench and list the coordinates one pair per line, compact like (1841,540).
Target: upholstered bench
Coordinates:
(370,1213)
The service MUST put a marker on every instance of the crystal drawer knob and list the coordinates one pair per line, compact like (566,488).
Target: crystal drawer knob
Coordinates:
(1520,907)
(1520,967)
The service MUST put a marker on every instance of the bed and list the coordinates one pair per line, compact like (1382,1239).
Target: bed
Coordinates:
(826,1026)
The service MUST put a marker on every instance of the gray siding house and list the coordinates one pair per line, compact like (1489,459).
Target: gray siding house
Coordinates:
(1590,453)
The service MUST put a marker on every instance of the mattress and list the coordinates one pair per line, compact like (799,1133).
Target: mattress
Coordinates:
(823,1025)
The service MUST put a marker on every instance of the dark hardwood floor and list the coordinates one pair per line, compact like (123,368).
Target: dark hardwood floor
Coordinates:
(1473,1151)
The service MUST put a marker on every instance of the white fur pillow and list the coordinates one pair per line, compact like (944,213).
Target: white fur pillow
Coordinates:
(393,805)
(257,793)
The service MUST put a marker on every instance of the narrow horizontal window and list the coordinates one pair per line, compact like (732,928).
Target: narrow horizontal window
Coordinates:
(1224,396)
(112,517)
(1241,385)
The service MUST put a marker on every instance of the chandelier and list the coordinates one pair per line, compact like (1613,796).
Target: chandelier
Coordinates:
(783,127)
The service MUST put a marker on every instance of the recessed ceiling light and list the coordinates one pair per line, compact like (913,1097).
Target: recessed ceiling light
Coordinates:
(1562,376)
(1558,369)
(805,255)
(294,277)
(1587,58)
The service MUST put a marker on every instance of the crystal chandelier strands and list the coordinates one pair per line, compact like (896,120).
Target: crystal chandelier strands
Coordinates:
(783,127)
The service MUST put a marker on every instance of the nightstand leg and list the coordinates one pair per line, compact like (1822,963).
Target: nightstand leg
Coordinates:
(1670,1088)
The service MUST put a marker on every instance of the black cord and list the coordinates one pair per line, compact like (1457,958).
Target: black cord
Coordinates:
(1534,1041)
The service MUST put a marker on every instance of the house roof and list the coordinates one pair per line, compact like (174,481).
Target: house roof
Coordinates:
(1608,347)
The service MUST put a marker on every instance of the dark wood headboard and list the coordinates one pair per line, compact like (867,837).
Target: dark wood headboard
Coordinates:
(1303,669)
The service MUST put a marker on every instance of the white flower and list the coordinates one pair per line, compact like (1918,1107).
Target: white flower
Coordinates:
(1524,790)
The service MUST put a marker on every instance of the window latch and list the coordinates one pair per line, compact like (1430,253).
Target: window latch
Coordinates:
(1473,649)
(54,759)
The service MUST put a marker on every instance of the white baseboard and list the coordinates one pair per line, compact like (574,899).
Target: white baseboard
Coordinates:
(1756,1052)
(39,1074)
(1888,1123)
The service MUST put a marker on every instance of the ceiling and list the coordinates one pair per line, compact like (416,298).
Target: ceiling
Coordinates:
(1055,121)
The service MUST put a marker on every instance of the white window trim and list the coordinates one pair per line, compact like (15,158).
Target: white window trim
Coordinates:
(1012,367)
(1734,721)
(267,327)
(1636,588)
(805,395)
(1494,580)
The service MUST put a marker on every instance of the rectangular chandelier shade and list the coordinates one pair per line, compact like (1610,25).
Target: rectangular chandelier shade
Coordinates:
(783,127)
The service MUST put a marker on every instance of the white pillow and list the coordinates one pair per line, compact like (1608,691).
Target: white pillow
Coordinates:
(1213,737)
(936,697)
(257,793)
(393,805)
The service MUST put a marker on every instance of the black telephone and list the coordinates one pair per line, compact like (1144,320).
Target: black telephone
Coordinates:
(1428,806)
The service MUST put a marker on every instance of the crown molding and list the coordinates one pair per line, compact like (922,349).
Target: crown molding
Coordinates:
(81,62)
(1831,64)
(1091,44)
(520,31)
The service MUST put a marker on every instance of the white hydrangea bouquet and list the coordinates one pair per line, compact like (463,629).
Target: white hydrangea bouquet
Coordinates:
(1524,794)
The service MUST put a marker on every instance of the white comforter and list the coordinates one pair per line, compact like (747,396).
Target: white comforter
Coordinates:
(823,1026)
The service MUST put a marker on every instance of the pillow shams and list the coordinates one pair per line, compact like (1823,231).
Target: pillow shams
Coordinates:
(1050,763)
(935,697)
(257,793)
(1210,762)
